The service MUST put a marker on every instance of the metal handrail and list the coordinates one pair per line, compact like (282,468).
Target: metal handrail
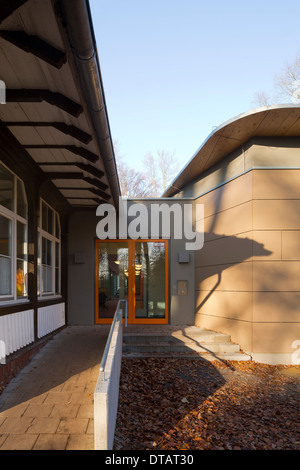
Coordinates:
(104,357)
(126,310)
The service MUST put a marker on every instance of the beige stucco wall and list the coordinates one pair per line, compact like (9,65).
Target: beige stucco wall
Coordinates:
(247,276)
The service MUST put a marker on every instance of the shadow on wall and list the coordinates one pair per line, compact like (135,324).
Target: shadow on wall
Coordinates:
(279,194)
(232,250)
(235,250)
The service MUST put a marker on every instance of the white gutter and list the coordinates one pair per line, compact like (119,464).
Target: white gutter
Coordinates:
(77,21)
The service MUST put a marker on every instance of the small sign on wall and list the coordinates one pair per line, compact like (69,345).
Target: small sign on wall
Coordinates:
(182,287)
(79,257)
(183,257)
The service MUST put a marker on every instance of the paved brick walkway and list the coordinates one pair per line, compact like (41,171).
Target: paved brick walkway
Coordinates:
(49,404)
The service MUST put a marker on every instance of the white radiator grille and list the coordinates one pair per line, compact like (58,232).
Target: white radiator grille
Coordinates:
(16,331)
(50,318)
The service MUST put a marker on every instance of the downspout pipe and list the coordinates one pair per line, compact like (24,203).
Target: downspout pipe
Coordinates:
(77,20)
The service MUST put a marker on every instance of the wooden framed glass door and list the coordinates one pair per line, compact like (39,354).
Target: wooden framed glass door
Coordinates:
(151,281)
(136,271)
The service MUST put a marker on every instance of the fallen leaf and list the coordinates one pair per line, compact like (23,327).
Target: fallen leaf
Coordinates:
(247,410)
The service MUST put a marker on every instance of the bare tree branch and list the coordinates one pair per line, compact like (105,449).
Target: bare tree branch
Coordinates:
(288,82)
(152,174)
(168,167)
(157,174)
(286,86)
(161,170)
(261,99)
(133,183)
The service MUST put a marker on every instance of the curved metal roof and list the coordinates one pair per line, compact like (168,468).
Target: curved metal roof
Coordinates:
(282,120)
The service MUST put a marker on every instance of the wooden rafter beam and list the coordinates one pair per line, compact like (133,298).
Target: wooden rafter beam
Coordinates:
(35,46)
(62,176)
(96,183)
(87,154)
(76,175)
(91,169)
(98,192)
(98,201)
(61,126)
(72,176)
(87,168)
(8,7)
(37,96)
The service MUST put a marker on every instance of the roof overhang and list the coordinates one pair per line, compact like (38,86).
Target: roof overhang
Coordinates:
(55,104)
(269,121)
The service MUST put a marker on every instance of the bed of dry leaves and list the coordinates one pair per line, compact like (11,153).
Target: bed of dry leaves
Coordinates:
(171,404)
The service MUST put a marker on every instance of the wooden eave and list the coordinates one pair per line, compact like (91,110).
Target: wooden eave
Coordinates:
(45,110)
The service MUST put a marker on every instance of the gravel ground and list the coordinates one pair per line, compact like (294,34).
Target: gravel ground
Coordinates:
(172,404)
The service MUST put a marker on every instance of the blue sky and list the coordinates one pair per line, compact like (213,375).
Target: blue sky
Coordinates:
(173,70)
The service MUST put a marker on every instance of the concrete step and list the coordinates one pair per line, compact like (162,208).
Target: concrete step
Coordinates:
(185,341)
(202,336)
(193,355)
(173,346)
(141,338)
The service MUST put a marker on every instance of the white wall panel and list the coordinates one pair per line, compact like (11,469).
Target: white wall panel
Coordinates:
(50,318)
(16,331)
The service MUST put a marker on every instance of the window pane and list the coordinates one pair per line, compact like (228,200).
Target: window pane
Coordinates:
(21,278)
(57,263)
(5,256)
(44,251)
(47,266)
(21,259)
(6,188)
(21,241)
(44,217)
(47,219)
(49,253)
(57,281)
(46,279)
(5,236)
(5,276)
(57,268)
(49,280)
(57,226)
(50,221)
(21,200)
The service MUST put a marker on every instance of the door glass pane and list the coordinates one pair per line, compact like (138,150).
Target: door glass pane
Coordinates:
(112,277)
(150,280)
